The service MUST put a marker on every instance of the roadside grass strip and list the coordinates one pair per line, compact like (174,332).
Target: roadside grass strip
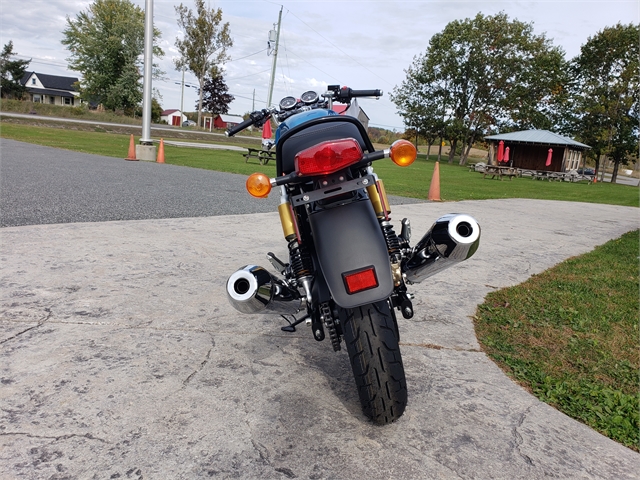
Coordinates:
(456,181)
(570,336)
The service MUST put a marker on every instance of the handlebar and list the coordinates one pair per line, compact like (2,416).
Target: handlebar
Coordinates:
(255,118)
(337,94)
(366,93)
(231,131)
(345,94)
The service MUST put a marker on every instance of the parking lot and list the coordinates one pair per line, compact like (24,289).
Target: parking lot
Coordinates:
(121,358)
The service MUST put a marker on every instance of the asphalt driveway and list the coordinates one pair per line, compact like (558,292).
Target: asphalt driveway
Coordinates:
(121,358)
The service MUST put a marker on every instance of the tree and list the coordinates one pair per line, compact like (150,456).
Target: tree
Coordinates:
(11,72)
(484,73)
(204,43)
(106,43)
(607,90)
(421,105)
(215,98)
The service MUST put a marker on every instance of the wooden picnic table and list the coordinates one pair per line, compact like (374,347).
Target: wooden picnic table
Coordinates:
(263,156)
(561,176)
(497,171)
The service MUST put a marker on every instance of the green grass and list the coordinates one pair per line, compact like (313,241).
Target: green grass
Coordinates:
(456,182)
(570,336)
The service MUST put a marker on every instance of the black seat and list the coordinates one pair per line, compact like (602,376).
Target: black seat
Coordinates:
(317,131)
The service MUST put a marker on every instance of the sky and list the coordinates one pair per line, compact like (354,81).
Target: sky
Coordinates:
(360,44)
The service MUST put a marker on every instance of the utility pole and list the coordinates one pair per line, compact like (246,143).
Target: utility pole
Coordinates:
(182,95)
(182,99)
(275,58)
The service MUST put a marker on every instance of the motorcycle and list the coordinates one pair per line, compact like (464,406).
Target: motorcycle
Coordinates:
(348,270)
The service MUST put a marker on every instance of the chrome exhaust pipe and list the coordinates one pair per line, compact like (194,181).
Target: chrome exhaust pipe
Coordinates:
(452,239)
(254,290)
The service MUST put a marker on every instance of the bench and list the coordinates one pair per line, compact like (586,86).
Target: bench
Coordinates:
(263,156)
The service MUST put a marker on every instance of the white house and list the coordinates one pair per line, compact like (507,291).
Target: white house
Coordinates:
(173,117)
(52,89)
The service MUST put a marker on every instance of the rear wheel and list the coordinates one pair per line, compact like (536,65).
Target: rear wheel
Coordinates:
(372,342)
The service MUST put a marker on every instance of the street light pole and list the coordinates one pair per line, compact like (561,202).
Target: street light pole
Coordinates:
(147,150)
(148,72)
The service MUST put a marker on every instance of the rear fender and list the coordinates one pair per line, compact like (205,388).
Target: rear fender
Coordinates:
(348,238)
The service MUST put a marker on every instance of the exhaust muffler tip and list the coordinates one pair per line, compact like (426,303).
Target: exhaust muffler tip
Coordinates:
(453,238)
(460,236)
(252,289)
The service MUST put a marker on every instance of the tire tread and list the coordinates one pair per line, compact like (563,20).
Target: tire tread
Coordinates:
(372,343)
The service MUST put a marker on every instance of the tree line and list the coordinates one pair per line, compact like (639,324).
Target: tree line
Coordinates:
(492,74)
(106,45)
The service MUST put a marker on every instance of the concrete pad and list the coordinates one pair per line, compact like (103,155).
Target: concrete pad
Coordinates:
(146,153)
(121,358)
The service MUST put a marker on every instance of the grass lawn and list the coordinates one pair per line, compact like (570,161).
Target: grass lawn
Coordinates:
(456,182)
(570,336)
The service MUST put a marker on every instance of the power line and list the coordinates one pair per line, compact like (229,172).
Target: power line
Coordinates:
(338,48)
(250,55)
(31,60)
(251,75)
(317,68)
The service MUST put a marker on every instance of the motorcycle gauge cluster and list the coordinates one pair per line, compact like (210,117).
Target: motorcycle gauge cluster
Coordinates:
(309,97)
(287,103)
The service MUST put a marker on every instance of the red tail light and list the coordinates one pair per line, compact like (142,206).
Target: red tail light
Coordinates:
(328,157)
(360,280)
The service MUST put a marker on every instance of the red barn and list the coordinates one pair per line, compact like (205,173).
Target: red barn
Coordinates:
(226,121)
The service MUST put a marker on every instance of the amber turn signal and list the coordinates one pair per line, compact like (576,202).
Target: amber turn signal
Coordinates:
(403,153)
(259,185)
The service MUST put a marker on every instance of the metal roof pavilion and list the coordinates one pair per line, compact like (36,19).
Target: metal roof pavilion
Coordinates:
(544,137)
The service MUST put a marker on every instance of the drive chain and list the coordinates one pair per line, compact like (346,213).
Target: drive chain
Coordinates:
(330,326)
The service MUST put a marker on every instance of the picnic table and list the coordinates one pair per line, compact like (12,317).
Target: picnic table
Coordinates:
(561,176)
(497,171)
(263,156)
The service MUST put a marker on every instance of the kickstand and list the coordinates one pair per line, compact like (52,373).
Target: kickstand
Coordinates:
(292,326)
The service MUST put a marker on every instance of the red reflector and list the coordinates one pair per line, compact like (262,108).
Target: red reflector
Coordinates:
(328,157)
(360,280)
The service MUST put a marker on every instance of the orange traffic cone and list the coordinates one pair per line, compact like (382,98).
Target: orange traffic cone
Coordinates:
(132,150)
(160,158)
(434,188)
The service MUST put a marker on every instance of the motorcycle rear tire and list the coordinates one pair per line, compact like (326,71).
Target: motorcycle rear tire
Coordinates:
(372,342)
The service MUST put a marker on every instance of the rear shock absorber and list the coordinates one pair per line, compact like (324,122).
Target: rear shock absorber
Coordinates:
(393,243)
(300,259)
(395,254)
(302,267)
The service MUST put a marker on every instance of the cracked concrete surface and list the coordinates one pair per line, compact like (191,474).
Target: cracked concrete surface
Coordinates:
(121,358)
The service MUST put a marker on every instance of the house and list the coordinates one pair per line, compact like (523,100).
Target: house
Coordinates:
(52,89)
(353,110)
(226,121)
(529,150)
(173,117)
